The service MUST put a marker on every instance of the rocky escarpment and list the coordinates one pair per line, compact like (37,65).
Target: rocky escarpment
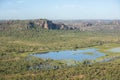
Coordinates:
(29,24)
(47,24)
(82,25)
(91,25)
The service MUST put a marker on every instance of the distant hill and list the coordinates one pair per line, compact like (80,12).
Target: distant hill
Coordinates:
(29,24)
(82,25)
(91,25)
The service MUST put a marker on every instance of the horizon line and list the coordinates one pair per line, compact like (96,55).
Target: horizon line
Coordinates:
(57,19)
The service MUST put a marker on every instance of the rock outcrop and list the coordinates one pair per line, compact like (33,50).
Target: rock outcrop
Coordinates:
(47,24)
(29,24)
(91,25)
(82,25)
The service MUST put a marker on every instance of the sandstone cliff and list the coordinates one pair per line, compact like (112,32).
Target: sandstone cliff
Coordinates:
(82,25)
(29,24)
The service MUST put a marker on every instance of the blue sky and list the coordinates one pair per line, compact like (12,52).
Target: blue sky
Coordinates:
(60,9)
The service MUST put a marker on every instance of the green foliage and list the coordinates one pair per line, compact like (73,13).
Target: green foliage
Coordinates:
(17,64)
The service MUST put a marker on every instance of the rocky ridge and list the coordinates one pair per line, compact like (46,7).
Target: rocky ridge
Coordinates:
(82,25)
(29,24)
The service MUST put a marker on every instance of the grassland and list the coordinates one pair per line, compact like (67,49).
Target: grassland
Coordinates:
(15,61)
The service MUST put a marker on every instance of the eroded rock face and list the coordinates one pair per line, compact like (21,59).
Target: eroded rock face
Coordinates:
(50,25)
(47,24)
(28,24)
(90,25)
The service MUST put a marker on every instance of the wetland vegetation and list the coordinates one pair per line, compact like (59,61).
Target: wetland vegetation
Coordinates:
(16,63)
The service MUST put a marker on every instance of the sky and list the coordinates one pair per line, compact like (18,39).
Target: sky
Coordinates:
(59,9)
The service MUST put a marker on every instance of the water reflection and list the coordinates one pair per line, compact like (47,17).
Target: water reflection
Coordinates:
(77,55)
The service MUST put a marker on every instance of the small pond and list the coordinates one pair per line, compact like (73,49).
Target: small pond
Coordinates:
(115,50)
(77,55)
